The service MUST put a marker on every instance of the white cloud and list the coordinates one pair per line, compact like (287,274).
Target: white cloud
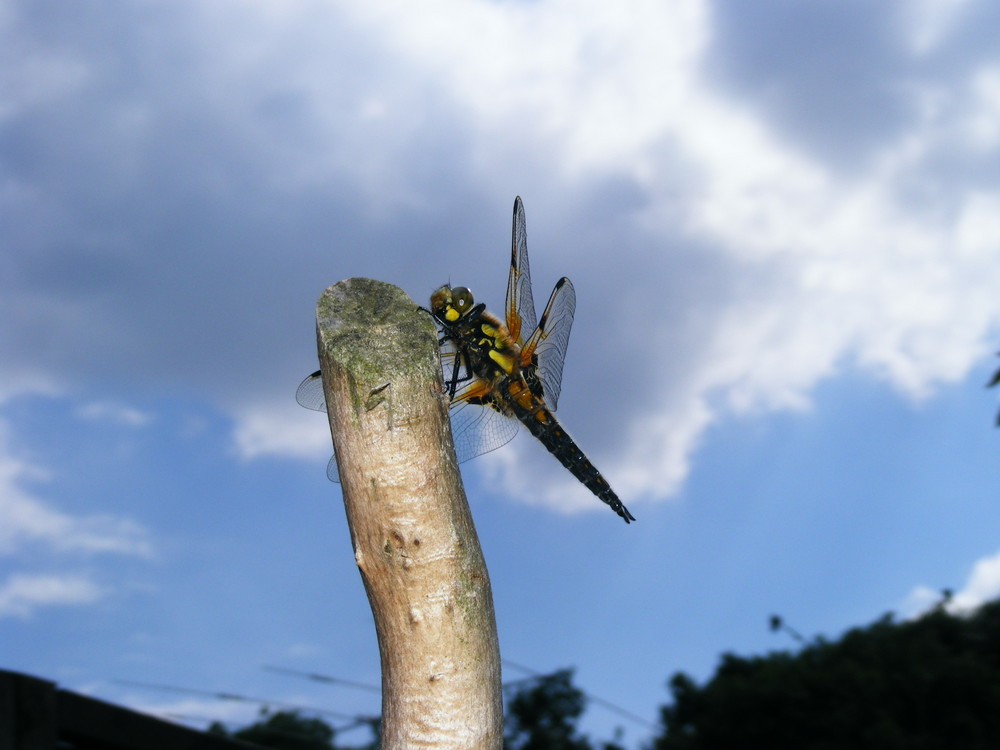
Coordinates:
(195,711)
(982,586)
(847,273)
(929,22)
(22,594)
(983,126)
(850,274)
(595,81)
(919,601)
(109,411)
(283,429)
(27,383)
(28,520)
(609,112)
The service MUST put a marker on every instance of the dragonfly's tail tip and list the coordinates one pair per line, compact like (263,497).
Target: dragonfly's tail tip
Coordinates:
(624,513)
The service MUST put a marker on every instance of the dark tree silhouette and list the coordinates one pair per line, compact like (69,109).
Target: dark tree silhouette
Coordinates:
(922,684)
(928,683)
(287,730)
(542,713)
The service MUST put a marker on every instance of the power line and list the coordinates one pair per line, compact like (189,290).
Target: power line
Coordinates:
(323,678)
(350,683)
(245,699)
(624,713)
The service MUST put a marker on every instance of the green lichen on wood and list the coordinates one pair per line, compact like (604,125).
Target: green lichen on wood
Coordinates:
(376,334)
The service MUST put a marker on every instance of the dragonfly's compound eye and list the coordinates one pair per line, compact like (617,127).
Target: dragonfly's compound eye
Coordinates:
(461,299)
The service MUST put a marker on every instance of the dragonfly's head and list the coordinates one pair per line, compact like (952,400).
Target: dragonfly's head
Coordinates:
(448,304)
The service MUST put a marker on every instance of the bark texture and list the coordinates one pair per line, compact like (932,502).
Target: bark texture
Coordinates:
(413,536)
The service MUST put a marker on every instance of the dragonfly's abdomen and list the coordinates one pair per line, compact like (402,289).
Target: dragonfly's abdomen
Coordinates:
(533,414)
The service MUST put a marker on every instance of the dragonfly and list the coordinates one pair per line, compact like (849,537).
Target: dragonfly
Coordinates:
(502,374)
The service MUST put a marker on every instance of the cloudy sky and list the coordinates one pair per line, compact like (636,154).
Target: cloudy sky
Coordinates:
(783,224)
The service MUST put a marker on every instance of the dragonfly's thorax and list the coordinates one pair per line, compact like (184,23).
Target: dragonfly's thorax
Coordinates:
(480,336)
(498,352)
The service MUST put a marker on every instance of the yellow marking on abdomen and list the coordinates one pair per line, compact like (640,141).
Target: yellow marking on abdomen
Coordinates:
(505,361)
(527,400)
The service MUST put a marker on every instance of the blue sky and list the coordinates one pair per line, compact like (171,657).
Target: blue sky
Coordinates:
(783,224)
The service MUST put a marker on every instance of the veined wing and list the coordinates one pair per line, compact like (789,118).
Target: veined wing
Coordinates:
(519,307)
(310,395)
(546,348)
(543,343)
(475,427)
(310,392)
(478,429)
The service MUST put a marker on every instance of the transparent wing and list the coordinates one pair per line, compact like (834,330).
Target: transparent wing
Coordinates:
(310,395)
(476,429)
(332,472)
(519,308)
(310,392)
(479,429)
(545,350)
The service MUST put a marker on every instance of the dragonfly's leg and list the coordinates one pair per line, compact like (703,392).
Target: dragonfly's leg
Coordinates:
(453,380)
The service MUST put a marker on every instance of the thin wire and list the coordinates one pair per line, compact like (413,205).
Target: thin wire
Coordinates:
(527,670)
(323,678)
(243,698)
(590,697)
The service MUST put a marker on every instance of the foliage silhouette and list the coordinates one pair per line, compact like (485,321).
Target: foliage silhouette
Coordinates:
(287,730)
(928,683)
(542,714)
(923,684)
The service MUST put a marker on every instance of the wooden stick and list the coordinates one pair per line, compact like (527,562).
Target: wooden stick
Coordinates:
(414,541)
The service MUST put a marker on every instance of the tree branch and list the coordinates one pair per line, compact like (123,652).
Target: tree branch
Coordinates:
(412,532)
